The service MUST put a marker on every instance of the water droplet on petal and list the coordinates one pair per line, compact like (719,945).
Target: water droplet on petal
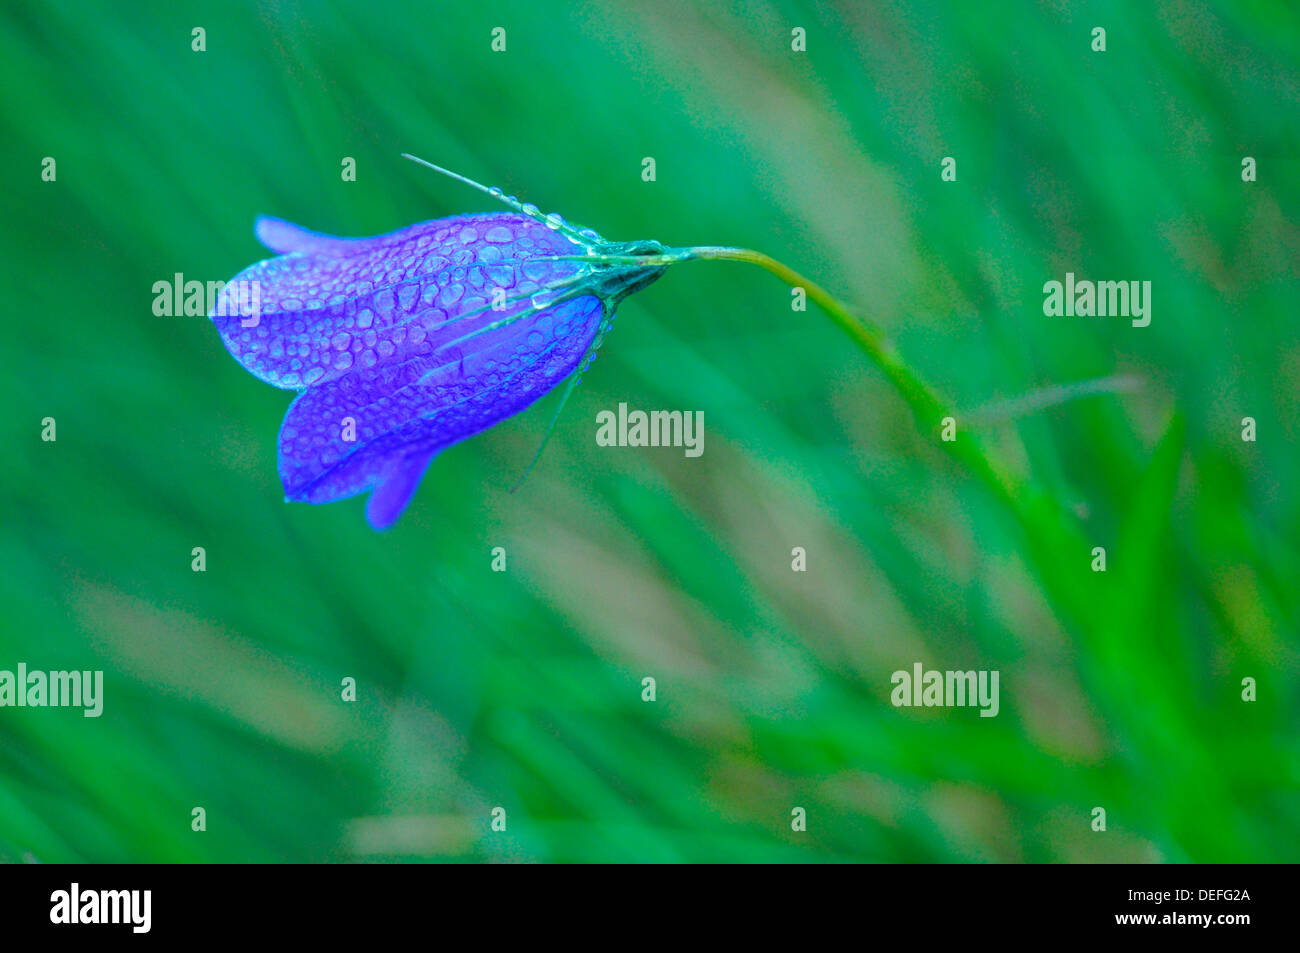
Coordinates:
(499,235)
(343,361)
(341,341)
(406,296)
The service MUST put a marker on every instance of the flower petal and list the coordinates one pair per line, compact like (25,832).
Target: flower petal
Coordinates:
(426,401)
(388,501)
(336,305)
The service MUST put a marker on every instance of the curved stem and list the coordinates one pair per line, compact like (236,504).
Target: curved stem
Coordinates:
(925,405)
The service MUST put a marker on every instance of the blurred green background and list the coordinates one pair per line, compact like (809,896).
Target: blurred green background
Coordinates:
(522,689)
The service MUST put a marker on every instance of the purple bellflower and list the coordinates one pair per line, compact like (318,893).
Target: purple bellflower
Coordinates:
(404,344)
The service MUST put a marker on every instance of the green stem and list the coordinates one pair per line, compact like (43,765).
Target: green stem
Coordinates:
(1055,539)
(925,405)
